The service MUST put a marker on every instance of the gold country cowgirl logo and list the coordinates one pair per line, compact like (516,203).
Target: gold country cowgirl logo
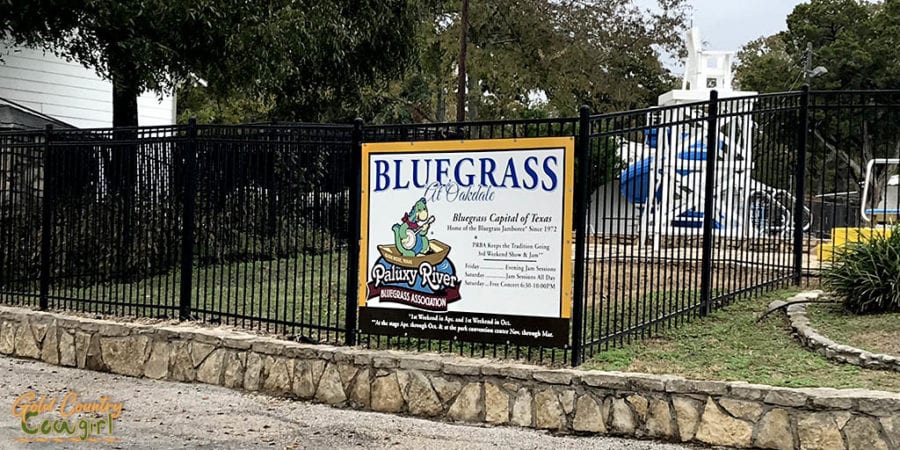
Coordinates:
(66,418)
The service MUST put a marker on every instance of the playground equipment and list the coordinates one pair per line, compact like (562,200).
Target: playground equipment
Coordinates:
(890,197)
(880,219)
(667,172)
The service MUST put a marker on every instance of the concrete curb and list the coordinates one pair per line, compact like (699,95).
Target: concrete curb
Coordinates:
(828,348)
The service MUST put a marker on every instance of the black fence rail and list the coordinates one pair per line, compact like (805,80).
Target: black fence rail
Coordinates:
(679,210)
(852,168)
(271,228)
(21,216)
(113,211)
(237,225)
(687,207)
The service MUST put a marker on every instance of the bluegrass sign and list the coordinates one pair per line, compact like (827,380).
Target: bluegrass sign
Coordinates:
(468,240)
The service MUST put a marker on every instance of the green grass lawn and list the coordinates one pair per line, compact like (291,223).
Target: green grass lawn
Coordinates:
(878,333)
(728,345)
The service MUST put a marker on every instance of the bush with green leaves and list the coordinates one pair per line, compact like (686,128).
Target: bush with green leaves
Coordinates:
(866,274)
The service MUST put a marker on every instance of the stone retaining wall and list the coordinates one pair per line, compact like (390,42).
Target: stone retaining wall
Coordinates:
(824,346)
(463,389)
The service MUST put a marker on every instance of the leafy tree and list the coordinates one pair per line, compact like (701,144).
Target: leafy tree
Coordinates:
(293,58)
(857,42)
(555,55)
(765,65)
(198,102)
(309,55)
(533,58)
(843,40)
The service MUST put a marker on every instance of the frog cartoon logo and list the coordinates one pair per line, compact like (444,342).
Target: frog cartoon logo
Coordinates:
(415,270)
(410,234)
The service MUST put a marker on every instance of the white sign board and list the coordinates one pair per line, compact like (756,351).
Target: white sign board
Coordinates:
(468,240)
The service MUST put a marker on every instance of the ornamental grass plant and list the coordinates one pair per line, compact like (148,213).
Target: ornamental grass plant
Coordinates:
(866,275)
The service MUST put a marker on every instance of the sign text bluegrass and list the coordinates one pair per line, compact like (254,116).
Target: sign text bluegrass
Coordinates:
(468,240)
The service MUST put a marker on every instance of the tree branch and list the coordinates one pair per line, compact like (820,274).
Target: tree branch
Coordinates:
(854,165)
(866,142)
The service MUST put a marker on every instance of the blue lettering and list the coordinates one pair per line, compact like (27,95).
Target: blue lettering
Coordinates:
(531,174)
(470,178)
(382,179)
(529,171)
(442,169)
(488,172)
(550,174)
(397,166)
(510,173)
(416,182)
(433,192)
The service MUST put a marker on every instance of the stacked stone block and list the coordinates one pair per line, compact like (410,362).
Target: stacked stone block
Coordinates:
(463,389)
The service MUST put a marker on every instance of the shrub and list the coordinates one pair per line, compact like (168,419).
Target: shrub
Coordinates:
(866,274)
(251,225)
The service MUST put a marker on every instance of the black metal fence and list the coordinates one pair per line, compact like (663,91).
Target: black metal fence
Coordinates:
(242,225)
(688,207)
(852,167)
(679,210)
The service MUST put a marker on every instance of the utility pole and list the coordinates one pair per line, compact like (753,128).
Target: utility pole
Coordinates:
(461,74)
(807,63)
(808,71)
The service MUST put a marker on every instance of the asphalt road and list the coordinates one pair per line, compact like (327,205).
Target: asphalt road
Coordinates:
(166,415)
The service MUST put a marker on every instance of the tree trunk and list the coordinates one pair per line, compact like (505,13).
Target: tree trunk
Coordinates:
(121,167)
(441,115)
(461,65)
(121,157)
(125,110)
(474,97)
(125,77)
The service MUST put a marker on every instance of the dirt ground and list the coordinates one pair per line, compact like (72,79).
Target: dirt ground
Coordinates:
(633,276)
(628,287)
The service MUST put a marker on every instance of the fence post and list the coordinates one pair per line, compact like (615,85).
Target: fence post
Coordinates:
(709,192)
(46,222)
(354,234)
(189,163)
(800,190)
(583,157)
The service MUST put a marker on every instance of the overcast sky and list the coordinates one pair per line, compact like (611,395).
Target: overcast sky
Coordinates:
(729,24)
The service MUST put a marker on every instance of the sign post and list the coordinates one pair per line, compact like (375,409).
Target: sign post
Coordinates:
(468,240)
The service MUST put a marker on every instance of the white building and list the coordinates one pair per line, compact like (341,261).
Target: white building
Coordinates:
(39,88)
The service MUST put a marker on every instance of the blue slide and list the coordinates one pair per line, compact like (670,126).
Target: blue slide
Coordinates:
(635,180)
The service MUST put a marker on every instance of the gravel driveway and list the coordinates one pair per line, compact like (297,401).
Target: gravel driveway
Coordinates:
(195,416)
